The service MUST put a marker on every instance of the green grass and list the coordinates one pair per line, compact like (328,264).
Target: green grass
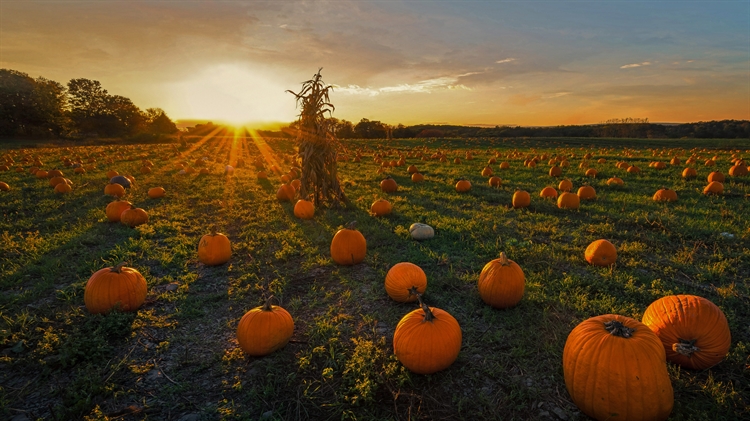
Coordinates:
(178,355)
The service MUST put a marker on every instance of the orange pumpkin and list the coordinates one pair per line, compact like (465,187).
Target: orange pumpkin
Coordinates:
(738,170)
(601,253)
(404,281)
(615,367)
(586,192)
(348,246)
(716,176)
(381,207)
(501,283)
(495,181)
(156,192)
(133,217)
(388,185)
(548,192)
(116,208)
(265,329)
(114,189)
(555,171)
(4,186)
(665,195)
(568,200)
(615,181)
(427,340)
(521,199)
(112,287)
(689,173)
(304,209)
(62,188)
(214,249)
(463,186)
(565,185)
(285,193)
(417,177)
(693,330)
(714,187)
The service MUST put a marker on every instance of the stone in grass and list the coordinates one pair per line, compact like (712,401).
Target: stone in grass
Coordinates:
(421,231)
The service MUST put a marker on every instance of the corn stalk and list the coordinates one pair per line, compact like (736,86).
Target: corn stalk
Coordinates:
(317,145)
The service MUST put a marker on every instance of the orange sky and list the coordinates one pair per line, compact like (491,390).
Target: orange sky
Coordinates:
(467,62)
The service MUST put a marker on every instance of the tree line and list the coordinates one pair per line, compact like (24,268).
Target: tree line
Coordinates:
(614,128)
(45,108)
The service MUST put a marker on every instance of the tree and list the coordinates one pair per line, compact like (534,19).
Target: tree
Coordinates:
(317,144)
(88,104)
(158,122)
(367,129)
(30,107)
(122,117)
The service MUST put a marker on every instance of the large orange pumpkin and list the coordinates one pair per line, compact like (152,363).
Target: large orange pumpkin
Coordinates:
(115,209)
(565,185)
(716,176)
(665,195)
(112,287)
(521,199)
(156,192)
(615,368)
(586,192)
(285,193)
(114,189)
(348,246)
(568,200)
(601,253)
(381,207)
(495,181)
(463,185)
(548,192)
(265,329)
(417,177)
(427,340)
(714,187)
(404,281)
(133,217)
(214,249)
(693,330)
(388,185)
(501,283)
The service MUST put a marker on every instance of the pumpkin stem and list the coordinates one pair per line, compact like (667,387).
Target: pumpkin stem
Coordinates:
(267,306)
(118,268)
(428,316)
(413,291)
(618,329)
(350,225)
(685,347)
(213,230)
(504,259)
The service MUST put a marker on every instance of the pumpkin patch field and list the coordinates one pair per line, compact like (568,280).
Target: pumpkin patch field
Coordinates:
(260,307)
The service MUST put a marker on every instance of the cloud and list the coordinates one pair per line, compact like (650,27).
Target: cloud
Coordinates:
(555,95)
(630,66)
(423,86)
(505,60)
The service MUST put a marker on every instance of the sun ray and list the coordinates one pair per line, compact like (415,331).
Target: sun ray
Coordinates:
(200,143)
(265,150)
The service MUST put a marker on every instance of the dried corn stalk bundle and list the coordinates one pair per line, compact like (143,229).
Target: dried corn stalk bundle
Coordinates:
(317,145)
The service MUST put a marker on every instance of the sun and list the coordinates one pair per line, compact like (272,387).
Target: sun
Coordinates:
(233,94)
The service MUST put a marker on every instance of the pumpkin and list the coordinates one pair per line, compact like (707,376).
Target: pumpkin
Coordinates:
(115,286)
(714,187)
(689,173)
(265,329)
(262,175)
(504,166)
(381,207)
(565,185)
(716,176)
(412,169)
(156,192)
(568,200)
(633,169)
(55,181)
(591,173)
(427,340)
(145,169)
(121,180)
(521,199)
(738,171)
(601,253)
(133,217)
(548,192)
(214,249)
(4,186)
(421,231)
(417,177)
(501,283)
(304,209)
(586,192)
(62,188)
(615,181)
(665,195)
(55,173)
(463,186)
(112,173)
(114,189)
(285,193)
(495,181)
(555,171)
(615,368)
(693,330)
(41,174)
(348,246)
(116,208)
(404,281)
(388,185)
(487,171)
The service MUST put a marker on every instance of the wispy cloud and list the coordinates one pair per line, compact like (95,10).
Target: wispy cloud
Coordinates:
(506,60)
(630,66)
(555,95)
(423,86)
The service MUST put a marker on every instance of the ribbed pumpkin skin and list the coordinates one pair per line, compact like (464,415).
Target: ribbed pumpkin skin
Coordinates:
(616,378)
(134,217)
(689,317)
(304,209)
(114,189)
(568,200)
(348,247)
(106,288)
(261,332)
(426,347)
(501,286)
(214,249)
(521,199)
(601,253)
(401,278)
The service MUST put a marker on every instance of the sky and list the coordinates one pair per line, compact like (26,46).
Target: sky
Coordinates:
(443,62)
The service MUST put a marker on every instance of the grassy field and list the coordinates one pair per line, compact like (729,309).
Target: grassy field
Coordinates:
(177,358)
